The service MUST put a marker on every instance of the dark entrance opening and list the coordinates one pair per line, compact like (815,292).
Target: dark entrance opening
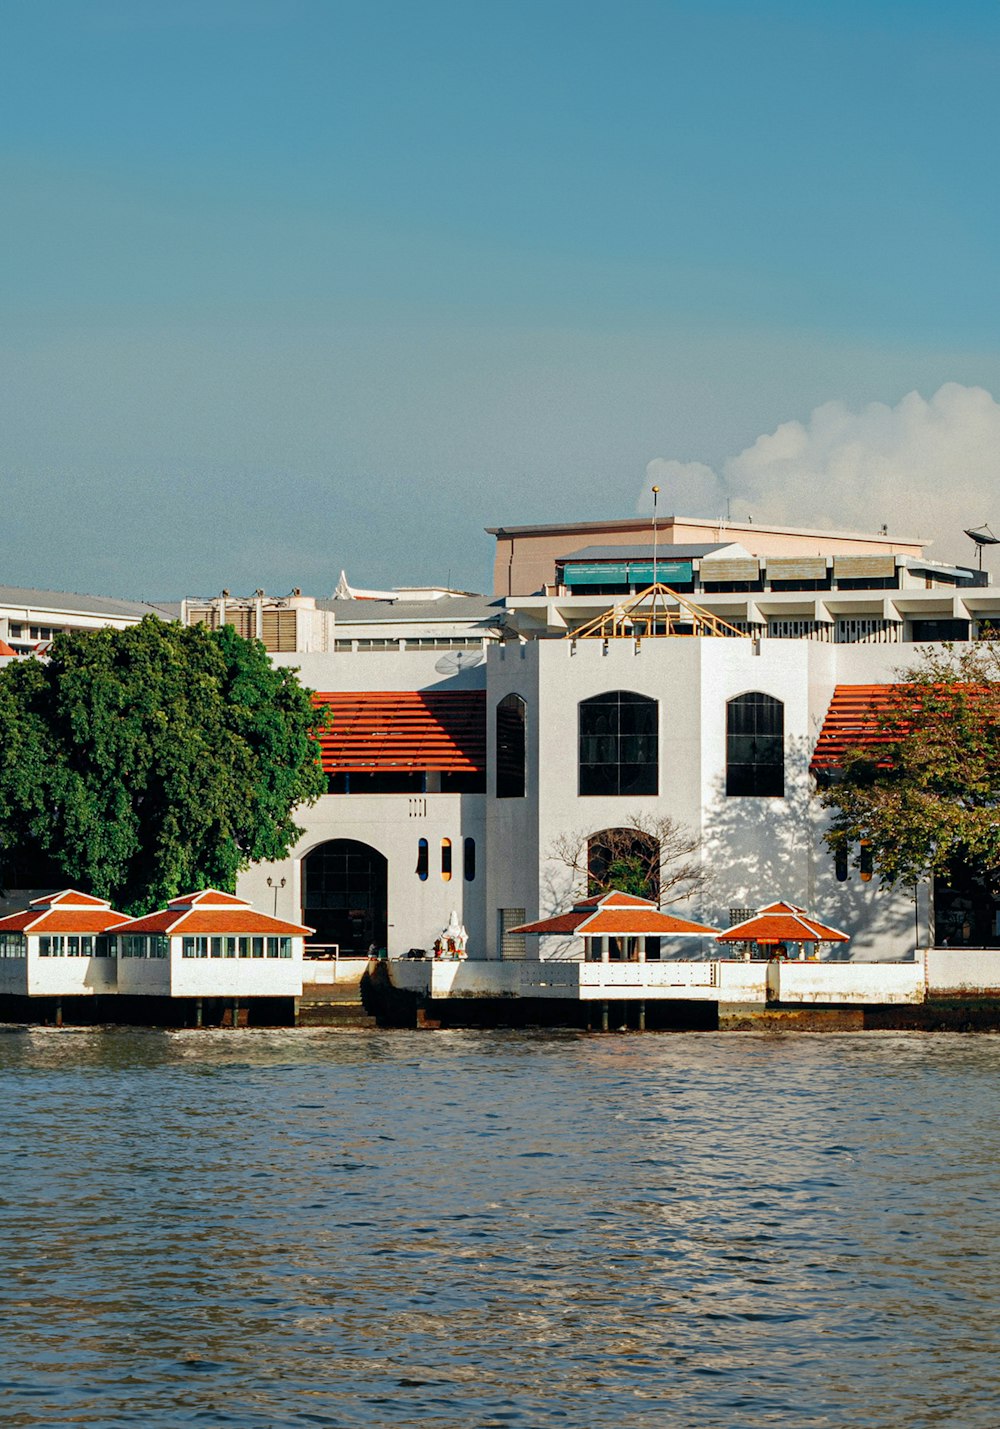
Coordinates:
(345,896)
(967,908)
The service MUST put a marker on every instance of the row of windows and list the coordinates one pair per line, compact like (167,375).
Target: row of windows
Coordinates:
(241,947)
(409,642)
(33,632)
(140,945)
(468,860)
(619,745)
(156,946)
(133,945)
(73,945)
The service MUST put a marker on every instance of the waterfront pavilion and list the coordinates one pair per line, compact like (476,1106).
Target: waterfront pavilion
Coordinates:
(618,927)
(779,924)
(61,945)
(210,944)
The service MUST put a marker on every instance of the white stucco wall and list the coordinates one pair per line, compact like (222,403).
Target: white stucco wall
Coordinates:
(70,977)
(962,970)
(756,850)
(144,977)
(235,977)
(13,977)
(392,824)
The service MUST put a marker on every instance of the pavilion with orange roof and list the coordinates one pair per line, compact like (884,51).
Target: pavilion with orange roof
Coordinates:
(779,924)
(61,945)
(211,944)
(615,926)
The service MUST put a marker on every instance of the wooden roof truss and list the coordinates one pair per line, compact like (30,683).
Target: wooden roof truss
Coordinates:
(656,613)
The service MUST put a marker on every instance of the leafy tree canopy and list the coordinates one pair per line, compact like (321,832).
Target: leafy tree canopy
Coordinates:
(927,796)
(154,760)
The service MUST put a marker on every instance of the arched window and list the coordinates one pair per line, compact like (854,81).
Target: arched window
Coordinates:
(624,859)
(619,744)
(446,860)
(422,860)
(470,860)
(755,746)
(510,747)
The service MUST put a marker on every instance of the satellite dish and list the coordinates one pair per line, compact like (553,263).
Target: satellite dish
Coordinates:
(458,660)
(982,536)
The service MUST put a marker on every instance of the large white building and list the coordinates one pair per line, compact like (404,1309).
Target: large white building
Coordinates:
(459,761)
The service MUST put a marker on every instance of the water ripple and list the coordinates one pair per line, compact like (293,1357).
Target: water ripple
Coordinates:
(286,1229)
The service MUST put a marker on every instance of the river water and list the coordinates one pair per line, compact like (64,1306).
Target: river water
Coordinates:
(495,1229)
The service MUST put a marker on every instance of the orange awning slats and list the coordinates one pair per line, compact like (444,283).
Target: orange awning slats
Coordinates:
(856,720)
(441,730)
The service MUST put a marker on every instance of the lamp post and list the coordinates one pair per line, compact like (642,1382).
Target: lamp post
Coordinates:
(275,884)
(656,492)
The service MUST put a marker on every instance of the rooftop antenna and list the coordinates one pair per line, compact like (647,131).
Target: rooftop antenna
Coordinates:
(982,536)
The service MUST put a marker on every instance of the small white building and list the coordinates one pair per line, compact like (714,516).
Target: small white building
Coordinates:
(210,945)
(60,946)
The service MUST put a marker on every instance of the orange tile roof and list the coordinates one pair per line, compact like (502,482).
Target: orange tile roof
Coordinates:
(63,920)
(220,921)
(70,897)
(404,730)
(782,923)
(652,923)
(210,896)
(857,719)
(561,923)
(616,915)
(853,721)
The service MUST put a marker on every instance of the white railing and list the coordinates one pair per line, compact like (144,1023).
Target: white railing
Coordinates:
(612,975)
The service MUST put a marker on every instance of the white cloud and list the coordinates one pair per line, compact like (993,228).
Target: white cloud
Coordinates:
(923,468)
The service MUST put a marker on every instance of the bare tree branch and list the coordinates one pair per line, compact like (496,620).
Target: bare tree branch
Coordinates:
(652,855)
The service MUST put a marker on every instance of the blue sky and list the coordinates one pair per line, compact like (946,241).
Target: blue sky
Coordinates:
(295,286)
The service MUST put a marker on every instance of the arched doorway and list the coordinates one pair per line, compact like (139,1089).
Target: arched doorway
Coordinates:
(345,896)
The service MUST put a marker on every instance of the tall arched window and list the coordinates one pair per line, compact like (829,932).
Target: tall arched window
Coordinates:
(511,713)
(619,744)
(755,746)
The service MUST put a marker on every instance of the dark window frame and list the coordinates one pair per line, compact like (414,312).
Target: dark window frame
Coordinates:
(755,746)
(618,748)
(511,715)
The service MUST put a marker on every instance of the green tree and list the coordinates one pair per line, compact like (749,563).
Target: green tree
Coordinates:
(924,797)
(155,760)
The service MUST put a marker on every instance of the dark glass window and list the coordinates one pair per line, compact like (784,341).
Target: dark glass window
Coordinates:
(422,860)
(510,747)
(939,630)
(470,860)
(446,860)
(755,746)
(619,744)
